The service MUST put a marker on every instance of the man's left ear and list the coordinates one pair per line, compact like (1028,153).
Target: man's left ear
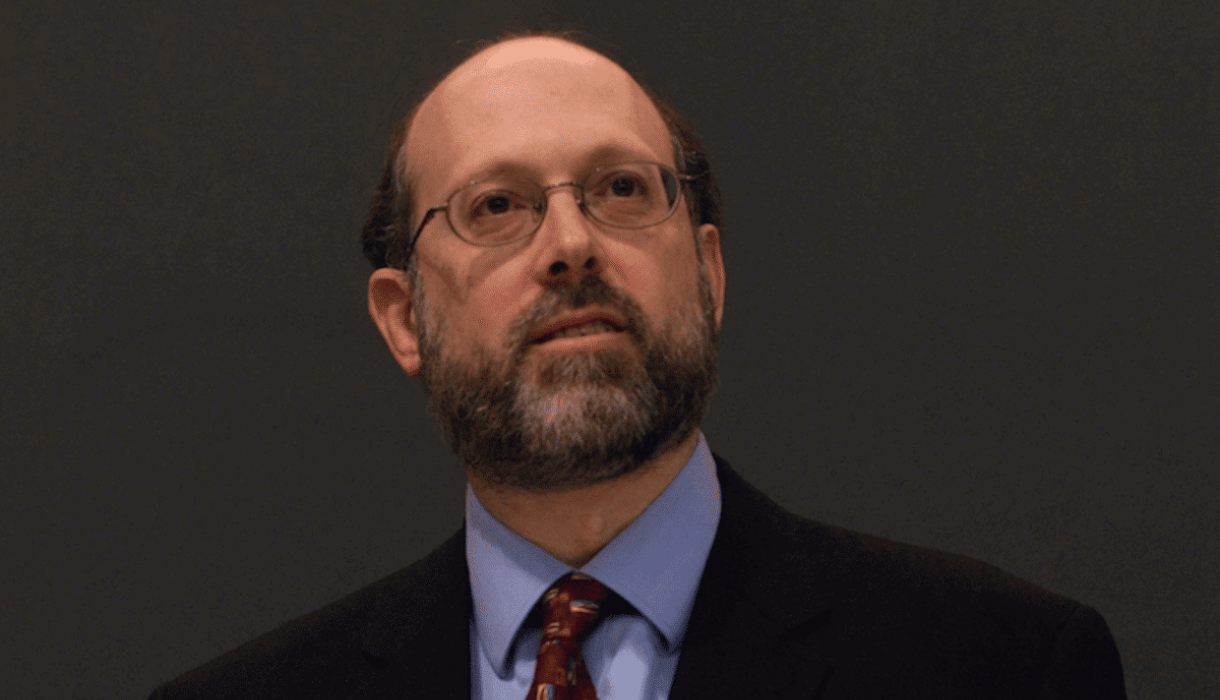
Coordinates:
(709,241)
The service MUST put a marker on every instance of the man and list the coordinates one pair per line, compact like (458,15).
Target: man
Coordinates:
(548,262)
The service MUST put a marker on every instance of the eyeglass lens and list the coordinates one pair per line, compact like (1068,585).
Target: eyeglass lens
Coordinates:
(625,195)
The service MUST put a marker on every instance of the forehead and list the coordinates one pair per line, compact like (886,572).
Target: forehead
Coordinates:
(540,105)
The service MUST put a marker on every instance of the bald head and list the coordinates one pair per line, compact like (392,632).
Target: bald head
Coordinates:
(500,67)
(536,95)
(522,104)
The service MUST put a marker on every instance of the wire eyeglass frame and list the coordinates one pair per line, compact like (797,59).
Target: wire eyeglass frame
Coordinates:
(541,201)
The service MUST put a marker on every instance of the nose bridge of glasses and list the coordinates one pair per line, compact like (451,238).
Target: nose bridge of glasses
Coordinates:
(578,194)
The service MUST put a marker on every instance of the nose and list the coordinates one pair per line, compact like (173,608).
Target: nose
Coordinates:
(567,241)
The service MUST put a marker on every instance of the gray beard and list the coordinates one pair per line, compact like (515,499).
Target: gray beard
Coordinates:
(581,419)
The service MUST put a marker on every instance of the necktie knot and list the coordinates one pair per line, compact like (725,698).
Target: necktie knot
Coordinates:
(571,608)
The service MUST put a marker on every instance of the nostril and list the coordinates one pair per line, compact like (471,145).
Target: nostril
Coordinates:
(558,267)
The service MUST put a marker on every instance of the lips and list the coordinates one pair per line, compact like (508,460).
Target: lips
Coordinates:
(574,325)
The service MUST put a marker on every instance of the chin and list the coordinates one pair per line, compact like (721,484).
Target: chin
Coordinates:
(578,372)
(579,413)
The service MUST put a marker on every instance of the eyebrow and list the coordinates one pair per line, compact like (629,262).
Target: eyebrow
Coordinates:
(599,156)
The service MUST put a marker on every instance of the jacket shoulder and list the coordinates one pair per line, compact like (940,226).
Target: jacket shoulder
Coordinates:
(889,614)
(853,565)
(331,652)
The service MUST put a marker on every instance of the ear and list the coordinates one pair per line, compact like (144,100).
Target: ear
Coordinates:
(392,308)
(709,240)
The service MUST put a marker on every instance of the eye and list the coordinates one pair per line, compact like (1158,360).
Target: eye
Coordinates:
(625,185)
(497,203)
(625,181)
(630,195)
(494,211)
(621,184)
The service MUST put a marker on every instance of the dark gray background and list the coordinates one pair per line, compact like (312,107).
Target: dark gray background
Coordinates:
(972,304)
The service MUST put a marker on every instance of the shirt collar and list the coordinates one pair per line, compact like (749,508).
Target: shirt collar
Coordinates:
(655,563)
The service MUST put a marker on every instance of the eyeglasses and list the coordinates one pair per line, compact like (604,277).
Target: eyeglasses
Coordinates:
(501,210)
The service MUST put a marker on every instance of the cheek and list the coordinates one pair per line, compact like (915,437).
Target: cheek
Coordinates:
(475,292)
(494,313)
(677,270)
(662,280)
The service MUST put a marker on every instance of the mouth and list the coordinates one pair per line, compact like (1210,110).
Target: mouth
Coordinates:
(579,325)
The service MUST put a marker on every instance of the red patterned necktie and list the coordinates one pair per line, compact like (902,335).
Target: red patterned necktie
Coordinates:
(572,606)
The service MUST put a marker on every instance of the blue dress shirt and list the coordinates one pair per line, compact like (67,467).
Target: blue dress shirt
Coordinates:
(655,565)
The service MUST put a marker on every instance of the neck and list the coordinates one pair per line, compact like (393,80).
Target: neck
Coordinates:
(573,525)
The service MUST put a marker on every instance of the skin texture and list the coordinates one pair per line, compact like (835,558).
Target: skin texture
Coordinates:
(551,111)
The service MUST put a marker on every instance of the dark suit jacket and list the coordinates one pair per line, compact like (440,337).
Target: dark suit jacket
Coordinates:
(787,608)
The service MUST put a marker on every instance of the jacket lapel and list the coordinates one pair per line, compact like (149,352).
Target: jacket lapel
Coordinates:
(758,625)
(757,629)
(418,643)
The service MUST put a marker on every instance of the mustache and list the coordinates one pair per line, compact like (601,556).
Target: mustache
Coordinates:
(590,291)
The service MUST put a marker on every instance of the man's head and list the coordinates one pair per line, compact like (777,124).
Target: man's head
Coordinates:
(387,233)
(577,353)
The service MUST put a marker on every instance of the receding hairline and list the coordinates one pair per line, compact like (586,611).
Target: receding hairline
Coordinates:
(387,236)
(492,58)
